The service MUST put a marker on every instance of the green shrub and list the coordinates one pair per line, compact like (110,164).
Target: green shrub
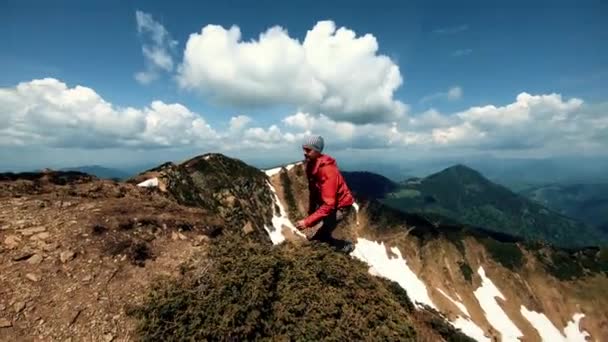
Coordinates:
(252,292)
(466,270)
(507,254)
(564,266)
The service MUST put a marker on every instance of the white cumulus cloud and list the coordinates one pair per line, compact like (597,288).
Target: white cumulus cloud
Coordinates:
(157,47)
(332,71)
(48,112)
(532,121)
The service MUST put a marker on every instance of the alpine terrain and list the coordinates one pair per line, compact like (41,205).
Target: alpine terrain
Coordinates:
(206,249)
(459,194)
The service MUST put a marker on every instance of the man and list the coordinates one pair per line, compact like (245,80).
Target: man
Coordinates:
(330,200)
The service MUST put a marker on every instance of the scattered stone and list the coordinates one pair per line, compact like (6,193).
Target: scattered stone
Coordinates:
(40,236)
(87,279)
(66,256)
(182,236)
(174,236)
(248,228)
(108,338)
(12,241)
(23,255)
(32,277)
(35,259)
(202,238)
(5,323)
(32,231)
(49,247)
(19,306)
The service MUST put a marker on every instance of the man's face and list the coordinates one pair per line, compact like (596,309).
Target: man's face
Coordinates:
(310,154)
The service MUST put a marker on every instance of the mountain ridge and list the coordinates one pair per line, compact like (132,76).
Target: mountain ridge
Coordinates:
(167,219)
(462,194)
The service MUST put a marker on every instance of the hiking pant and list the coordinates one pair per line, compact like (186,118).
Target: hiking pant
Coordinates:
(336,224)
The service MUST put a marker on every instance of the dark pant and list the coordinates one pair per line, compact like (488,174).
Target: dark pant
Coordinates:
(328,226)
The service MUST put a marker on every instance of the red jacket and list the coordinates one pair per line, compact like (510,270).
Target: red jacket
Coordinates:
(327,189)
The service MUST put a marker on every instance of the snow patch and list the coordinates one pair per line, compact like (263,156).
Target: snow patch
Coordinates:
(572,331)
(464,323)
(396,269)
(547,330)
(152,182)
(486,295)
(470,329)
(274,171)
(279,220)
(458,304)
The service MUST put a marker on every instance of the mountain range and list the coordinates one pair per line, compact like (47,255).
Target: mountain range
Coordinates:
(459,194)
(206,249)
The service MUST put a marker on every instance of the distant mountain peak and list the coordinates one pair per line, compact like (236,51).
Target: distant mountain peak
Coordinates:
(461,172)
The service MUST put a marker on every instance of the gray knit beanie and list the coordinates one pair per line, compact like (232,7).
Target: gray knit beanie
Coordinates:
(314,142)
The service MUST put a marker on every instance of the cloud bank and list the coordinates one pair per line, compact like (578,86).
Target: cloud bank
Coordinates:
(48,112)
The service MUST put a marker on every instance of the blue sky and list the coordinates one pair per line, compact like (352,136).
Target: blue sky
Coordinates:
(486,54)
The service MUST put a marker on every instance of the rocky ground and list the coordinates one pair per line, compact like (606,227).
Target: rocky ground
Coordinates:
(76,252)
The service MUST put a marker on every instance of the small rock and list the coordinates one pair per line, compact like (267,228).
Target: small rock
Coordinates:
(40,236)
(108,337)
(49,247)
(32,277)
(23,255)
(182,236)
(87,279)
(19,306)
(12,241)
(66,256)
(202,238)
(174,236)
(32,231)
(35,259)
(248,228)
(5,323)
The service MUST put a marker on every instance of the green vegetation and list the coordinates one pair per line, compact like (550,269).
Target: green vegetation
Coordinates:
(235,191)
(585,202)
(466,270)
(464,195)
(507,254)
(571,264)
(245,290)
(405,193)
(253,292)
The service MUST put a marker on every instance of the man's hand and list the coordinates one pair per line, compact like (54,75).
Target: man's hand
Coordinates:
(300,225)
